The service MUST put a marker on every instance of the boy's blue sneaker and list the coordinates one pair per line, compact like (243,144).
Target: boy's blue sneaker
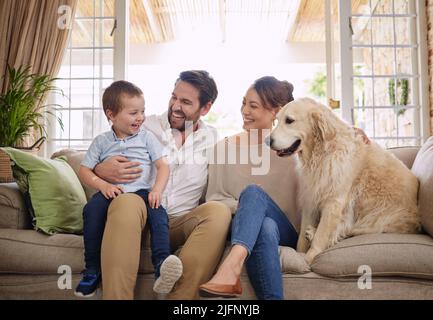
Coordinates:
(88,285)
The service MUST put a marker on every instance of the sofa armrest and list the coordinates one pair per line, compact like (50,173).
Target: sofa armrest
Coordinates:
(13,211)
(406,154)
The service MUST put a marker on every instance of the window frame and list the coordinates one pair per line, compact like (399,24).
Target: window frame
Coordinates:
(419,73)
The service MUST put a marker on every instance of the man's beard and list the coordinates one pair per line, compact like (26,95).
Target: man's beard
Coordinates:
(187,123)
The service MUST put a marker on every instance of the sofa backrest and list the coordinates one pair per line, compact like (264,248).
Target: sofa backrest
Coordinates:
(74,158)
(407,155)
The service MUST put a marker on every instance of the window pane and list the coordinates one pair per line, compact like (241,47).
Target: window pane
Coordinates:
(63,134)
(383,61)
(383,31)
(361,30)
(363,119)
(384,7)
(82,33)
(404,60)
(82,124)
(406,126)
(385,122)
(103,30)
(104,8)
(63,100)
(82,93)
(82,64)
(100,122)
(65,67)
(104,63)
(362,61)
(381,91)
(403,30)
(362,92)
(401,6)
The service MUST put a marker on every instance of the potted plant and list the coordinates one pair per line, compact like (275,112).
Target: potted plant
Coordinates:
(22,111)
(21,106)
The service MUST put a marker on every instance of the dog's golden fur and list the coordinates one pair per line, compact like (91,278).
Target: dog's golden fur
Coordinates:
(347,187)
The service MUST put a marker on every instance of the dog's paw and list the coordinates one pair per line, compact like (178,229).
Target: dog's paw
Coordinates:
(310,231)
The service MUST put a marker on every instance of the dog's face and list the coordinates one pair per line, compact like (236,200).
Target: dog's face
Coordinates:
(298,123)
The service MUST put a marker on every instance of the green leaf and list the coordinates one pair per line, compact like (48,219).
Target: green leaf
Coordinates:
(22,105)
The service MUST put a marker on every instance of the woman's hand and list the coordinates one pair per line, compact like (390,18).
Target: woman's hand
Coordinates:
(118,170)
(154,199)
(110,191)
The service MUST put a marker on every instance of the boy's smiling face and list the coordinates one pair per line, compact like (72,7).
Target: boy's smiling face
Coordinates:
(129,120)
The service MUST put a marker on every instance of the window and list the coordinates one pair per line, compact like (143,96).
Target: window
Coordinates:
(237,41)
(382,84)
(87,68)
(383,57)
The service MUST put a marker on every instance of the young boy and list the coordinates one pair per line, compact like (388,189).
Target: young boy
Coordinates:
(123,105)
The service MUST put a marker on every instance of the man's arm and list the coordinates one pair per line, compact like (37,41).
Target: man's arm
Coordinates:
(118,170)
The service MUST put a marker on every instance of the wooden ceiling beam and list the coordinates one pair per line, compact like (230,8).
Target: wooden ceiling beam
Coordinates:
(154,26)
(296,12)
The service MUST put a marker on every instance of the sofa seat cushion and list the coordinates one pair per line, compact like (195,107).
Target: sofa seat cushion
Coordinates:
(406,255)
(32,252)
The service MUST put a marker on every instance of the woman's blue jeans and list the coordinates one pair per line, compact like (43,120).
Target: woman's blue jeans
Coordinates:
(260,226)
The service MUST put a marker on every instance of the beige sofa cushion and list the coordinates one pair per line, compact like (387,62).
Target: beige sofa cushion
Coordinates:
(28,251)
(13,211)
(406,155)
(423,170)
(407,255)
(74,158)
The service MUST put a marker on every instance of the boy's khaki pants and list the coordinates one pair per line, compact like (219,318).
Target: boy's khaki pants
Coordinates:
(202,232)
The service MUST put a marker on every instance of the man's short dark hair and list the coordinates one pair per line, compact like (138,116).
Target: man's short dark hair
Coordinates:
(111,100)
(203,82)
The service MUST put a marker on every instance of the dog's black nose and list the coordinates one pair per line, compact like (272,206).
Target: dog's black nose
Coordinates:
(269,141)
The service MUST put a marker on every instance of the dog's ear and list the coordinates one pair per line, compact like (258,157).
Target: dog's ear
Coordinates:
(323,129)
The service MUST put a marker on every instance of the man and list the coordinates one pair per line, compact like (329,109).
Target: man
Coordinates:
(201,230)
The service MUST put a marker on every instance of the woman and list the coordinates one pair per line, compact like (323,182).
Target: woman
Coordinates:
(264,219)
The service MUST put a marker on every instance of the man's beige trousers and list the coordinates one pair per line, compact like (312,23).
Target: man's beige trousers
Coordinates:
(202,232)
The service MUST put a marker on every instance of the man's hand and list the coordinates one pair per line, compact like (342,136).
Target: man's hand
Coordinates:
(361,133)
(110,191)
(154,199)
(118,170)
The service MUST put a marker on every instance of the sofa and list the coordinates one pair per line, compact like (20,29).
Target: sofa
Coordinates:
(379,266)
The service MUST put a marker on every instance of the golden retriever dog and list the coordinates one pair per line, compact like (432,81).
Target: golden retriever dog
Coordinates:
(347,187)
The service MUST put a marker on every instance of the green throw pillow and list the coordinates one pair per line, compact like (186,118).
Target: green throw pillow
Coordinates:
(56,194)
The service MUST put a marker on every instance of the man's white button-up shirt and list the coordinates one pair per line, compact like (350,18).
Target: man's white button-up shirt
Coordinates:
(188,164)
